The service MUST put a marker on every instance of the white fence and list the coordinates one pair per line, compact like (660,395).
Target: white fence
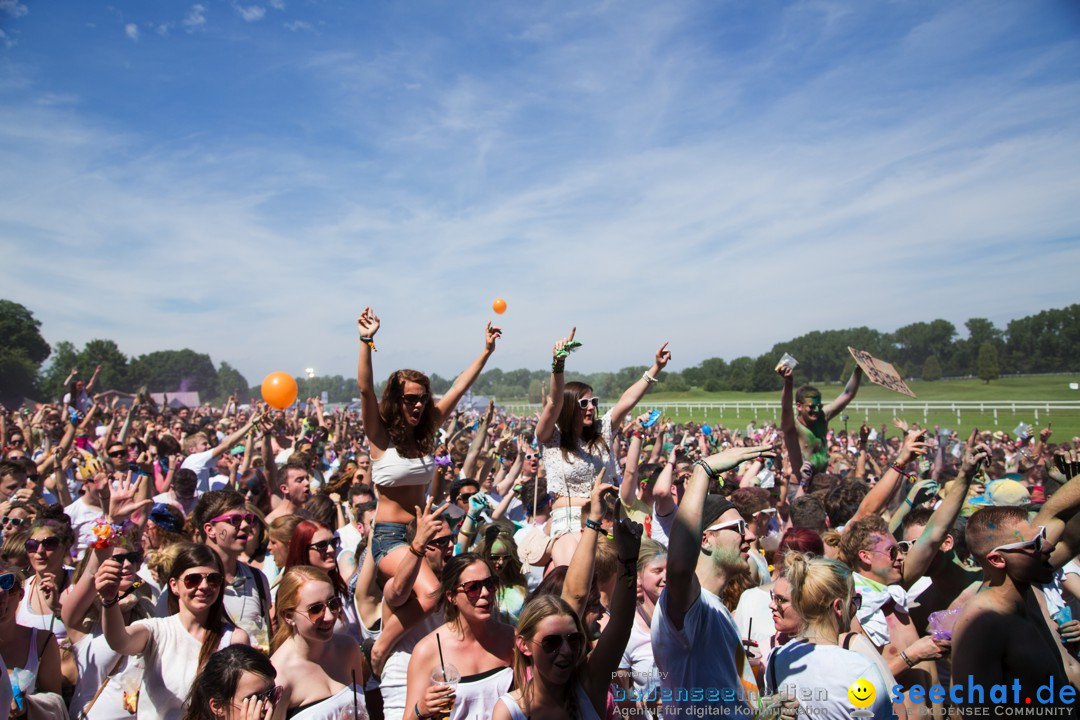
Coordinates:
(771,408)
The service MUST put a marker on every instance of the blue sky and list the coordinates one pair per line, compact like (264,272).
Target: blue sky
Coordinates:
(243,178)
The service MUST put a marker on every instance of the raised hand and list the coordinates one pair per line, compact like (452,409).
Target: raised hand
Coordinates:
(107,579)
(564,346)
(428,523)
(491,334)
(599,489)
(732,457)
(122,502)
(663,356)
(368,323)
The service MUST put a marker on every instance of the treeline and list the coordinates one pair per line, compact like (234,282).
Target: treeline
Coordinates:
(1041,343)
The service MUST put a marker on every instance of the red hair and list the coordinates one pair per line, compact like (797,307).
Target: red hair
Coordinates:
(801,540)
(298,551)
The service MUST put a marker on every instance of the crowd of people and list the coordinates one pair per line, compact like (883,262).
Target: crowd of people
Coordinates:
(418,560)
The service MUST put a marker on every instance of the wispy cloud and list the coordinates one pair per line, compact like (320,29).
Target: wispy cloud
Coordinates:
(195,18)
(722,179)
(250,13)
(132,31)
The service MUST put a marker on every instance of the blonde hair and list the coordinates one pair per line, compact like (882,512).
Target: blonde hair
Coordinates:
(192,440)
(816,583)
(650,552)
(607,560)
(288,595)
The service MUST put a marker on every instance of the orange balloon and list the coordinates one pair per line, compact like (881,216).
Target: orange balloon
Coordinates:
(499,306)
(279,390)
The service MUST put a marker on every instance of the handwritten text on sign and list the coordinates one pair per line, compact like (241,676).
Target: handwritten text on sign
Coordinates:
(880,372)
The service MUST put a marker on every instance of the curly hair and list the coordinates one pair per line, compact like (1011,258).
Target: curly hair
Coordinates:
(401,435)
(858,536)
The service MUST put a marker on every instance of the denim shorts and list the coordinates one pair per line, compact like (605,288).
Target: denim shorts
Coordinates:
(386,537)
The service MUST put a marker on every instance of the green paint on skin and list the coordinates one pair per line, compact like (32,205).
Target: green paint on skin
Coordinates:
(499,548)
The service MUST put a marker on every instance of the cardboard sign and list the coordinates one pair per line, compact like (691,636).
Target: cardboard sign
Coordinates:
(880,372)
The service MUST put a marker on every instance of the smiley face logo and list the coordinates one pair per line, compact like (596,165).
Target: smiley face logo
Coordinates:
(861,693)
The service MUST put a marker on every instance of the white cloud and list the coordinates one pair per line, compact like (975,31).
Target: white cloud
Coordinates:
(14,8)
(196,17)
(132,31)
(251,13)
(298,25)
(277,4)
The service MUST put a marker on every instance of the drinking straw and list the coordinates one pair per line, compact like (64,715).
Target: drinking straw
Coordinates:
(442,663)
(355,707)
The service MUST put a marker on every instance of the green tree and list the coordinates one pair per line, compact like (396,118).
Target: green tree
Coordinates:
(673,382)
(64,357)
(931,369)
(175,370)
(229,380)
(114,365)
(21,354)
(988,363)
(918,341)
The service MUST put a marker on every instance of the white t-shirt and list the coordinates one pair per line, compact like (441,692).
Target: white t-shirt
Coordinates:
(661,526)
(171,658)
(754,606)
(638,658)
(825,673)
(201,463)
(96,660)
(242,603)
(697,662)
(82,523)
(394,677)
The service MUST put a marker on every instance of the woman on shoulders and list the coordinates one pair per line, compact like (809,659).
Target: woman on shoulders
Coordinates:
(321,672)
(173,648)
(577,443)
(401,435)
(474,640)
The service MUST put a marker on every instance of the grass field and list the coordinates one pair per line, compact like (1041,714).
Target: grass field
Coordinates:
(1066,424)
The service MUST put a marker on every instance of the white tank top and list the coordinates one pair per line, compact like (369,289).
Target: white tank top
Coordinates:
(585,708)
(49,623)
(477,694)
(392,470)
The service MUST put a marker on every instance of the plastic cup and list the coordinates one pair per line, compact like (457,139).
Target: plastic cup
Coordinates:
(449,676)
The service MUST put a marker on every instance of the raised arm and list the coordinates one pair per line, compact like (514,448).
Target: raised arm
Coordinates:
(549,415)
(368,326)
(836,406)
(878,497)
(126,640)
(468,468)
(579,574)
(93,381)
(635,392)
(236,436)
(466,379)
(629,487)
(787,418)
(1061,507)
(922,552)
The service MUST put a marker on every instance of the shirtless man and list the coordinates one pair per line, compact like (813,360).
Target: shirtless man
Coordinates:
(1003,637)
(811,425)
(295,490)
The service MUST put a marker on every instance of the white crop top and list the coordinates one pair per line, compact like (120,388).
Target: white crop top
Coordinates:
(392,470)
(575,479)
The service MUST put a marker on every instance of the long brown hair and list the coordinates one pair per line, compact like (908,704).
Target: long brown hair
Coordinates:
(570,435)
(288,595)
(401,435)
(536,610)
(192,555)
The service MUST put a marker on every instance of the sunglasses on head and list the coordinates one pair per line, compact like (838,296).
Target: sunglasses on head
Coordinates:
(12,521)
(49,544)
(194,580)
(235,519)
(551,644)
(1036,543)
(413,399)
(322,546)
(7,581)
(473,588)
(583,403)
(134,557)
(317,610)
(271,696)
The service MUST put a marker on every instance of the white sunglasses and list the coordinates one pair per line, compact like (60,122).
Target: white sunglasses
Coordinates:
(738,526)
(585,402)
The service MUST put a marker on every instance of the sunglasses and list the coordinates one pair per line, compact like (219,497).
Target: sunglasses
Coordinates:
(442,542)
(315,612)
(465,497)
(17,441)
(1036,543)
(193,580)
(271,696)
(323,545)
(893,552)
(48,544)
(584,403)
(235,519)
(738,526)
(551,644)
(531,456)
(253,488)
(779,601)
(12,521)
(412,399)
(473,588)
(7,581)
(134,557)
(905,546)
(118,453)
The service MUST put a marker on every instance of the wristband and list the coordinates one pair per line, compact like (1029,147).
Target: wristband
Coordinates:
(906,659)
(369,341)
(415,552)
(708,470)
(649,378)
(416,709)
(593,525)
(109,603)
(558,366)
